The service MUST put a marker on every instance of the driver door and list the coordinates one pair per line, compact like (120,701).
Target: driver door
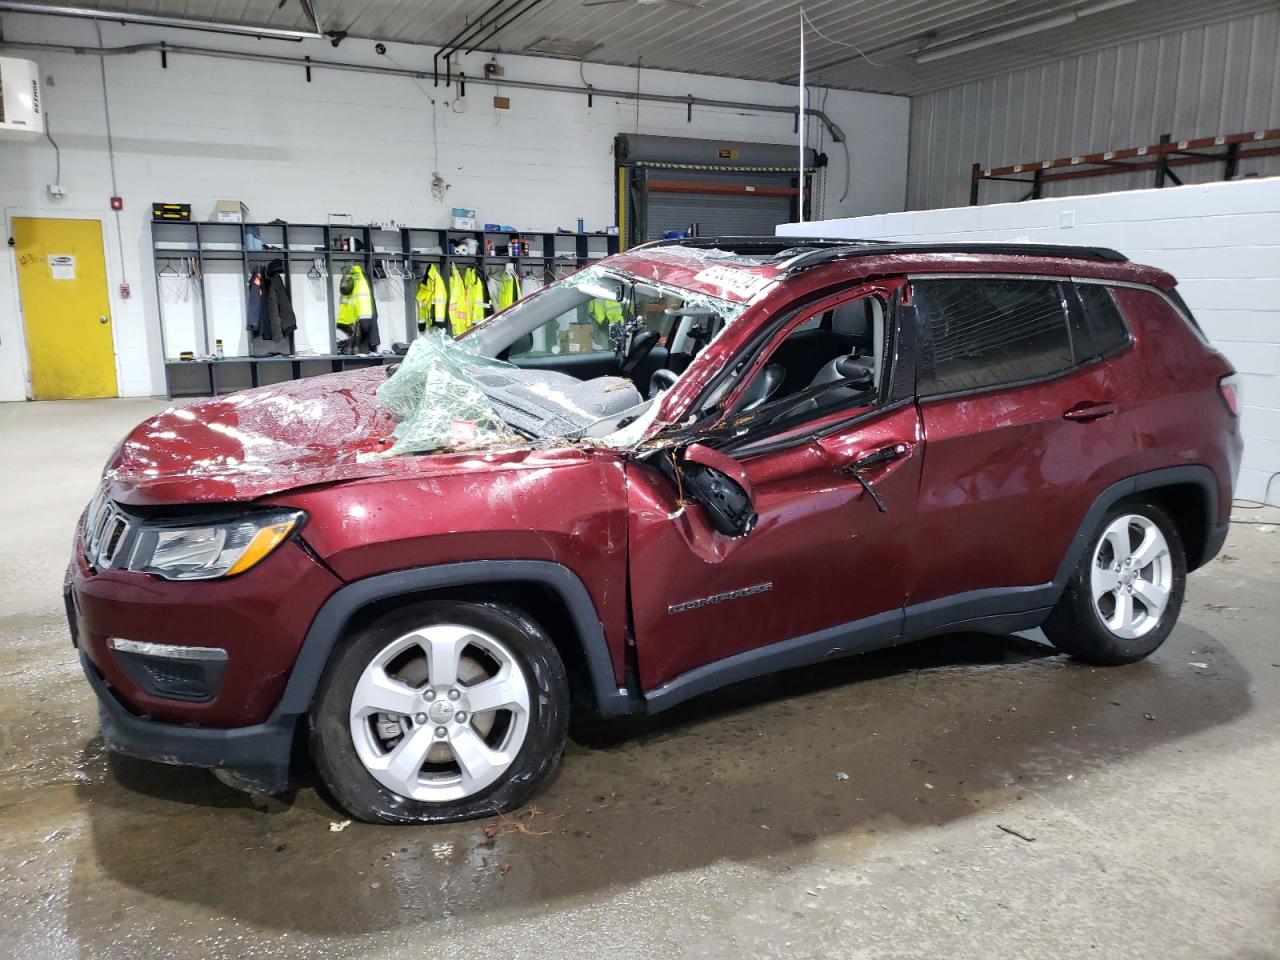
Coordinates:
(823,571)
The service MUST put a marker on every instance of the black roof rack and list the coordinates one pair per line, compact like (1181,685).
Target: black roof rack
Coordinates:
(756,246)
(826,249)
(860,248)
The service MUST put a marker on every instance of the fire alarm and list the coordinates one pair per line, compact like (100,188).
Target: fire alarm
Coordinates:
(117,203)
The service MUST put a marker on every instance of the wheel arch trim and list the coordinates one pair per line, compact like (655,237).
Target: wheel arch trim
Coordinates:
(1196,475)
(337,612)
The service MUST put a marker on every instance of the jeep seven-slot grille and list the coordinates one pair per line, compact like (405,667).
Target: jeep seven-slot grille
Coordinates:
(105,531)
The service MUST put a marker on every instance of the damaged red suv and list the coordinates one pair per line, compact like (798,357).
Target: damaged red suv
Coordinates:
(688,464)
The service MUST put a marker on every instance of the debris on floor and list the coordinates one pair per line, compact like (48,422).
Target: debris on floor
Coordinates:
(517,824)
(337,826)
(1016,833)
(841,775)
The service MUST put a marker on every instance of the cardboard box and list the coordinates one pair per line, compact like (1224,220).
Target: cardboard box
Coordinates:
(578,338)
(464,223)
(230,211)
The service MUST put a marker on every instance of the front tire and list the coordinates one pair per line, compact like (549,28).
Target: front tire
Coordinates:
(1124,596)
(440,711)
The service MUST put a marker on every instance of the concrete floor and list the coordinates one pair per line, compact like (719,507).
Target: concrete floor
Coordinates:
(1152,793)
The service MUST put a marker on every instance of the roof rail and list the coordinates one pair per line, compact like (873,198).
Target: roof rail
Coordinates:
(876,248)
(754,245)
(826,249)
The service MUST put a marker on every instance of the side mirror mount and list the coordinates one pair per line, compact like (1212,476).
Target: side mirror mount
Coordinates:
(721,485)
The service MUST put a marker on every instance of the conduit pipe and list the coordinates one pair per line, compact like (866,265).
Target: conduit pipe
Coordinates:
(837,135)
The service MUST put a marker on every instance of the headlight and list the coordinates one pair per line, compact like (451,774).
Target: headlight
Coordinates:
(203,552)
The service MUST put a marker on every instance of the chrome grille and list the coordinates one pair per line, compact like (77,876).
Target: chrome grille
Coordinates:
(104,533)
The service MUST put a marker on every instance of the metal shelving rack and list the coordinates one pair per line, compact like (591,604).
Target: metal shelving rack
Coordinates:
(1162,157)
(309,242)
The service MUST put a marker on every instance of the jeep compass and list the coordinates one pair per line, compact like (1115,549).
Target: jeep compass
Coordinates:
(685,465)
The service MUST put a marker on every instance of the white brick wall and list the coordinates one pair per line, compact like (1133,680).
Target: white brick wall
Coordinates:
(208,129)
(1222,242)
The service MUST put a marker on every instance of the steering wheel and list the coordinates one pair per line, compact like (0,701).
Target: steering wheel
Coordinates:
(662,379)
(642,345)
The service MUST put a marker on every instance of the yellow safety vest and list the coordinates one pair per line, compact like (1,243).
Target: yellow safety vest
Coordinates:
(357,304)
(459,310)
(508,290)
(475,296)
(431,298)
(604,312)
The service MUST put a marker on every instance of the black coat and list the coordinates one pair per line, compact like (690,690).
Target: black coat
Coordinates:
(279,319)
(270,312)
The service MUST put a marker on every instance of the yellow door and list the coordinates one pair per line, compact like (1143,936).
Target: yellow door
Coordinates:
(62,279)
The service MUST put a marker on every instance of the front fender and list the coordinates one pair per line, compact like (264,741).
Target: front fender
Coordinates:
(331,621)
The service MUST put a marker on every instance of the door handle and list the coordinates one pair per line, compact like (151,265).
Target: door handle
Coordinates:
(1089,410)
(882,456)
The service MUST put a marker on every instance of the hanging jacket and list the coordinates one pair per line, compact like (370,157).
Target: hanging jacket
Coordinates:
(604,312)
(255,303)
(356,302)
(505,290)
(431,298)
(477,297)
(459,306)
(278,318)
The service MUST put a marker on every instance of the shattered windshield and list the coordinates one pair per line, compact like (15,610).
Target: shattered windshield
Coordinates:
(562,364)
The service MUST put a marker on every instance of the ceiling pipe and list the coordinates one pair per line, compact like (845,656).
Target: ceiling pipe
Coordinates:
(837,135)
(156,20)
(464,32)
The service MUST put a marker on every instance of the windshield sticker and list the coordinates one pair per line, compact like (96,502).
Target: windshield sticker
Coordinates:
(740,283)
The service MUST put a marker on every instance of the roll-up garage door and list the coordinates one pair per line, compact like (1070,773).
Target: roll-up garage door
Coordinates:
(763,202)
(716,188)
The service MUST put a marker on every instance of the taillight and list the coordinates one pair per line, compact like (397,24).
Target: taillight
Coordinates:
(1229,387)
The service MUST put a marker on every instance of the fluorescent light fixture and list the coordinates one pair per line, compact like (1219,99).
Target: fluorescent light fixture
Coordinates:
(1000,36)
(157,20)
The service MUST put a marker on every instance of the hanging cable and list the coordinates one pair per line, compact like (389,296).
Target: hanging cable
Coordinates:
(637,96)
(438,186)
(858,50)
(57,153)
(111,155)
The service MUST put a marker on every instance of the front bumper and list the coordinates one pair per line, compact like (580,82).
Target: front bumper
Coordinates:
(233,720)
(260,754)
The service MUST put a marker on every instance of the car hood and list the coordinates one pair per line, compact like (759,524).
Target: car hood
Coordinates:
(272,439)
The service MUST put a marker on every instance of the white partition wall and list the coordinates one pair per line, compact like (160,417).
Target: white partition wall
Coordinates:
(1221,240)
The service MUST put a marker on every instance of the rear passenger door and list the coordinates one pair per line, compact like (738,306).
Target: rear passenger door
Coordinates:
(1018,413)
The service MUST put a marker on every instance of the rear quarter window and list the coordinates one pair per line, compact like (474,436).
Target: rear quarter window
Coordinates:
(983,332)
(1103,329)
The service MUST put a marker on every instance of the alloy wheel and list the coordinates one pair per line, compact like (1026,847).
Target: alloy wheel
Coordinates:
(440,713)
(1132,576)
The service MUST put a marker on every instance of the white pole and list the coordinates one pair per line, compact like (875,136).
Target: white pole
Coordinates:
(800,169)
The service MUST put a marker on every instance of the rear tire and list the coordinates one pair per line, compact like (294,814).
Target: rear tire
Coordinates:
(1124,596)
(395,744)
